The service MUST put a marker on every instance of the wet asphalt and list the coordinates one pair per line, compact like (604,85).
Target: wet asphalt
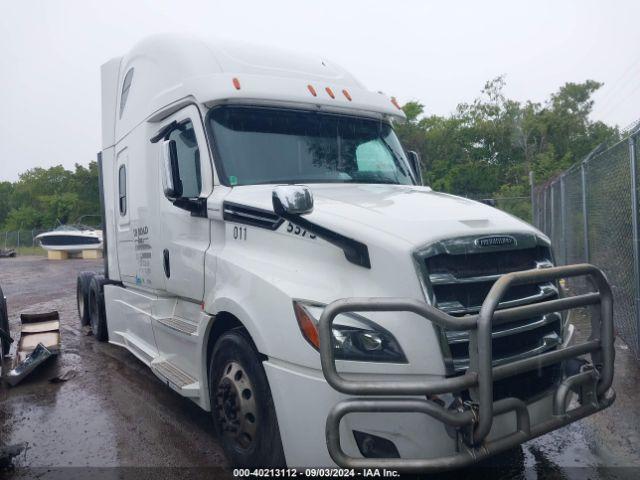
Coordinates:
(113,412)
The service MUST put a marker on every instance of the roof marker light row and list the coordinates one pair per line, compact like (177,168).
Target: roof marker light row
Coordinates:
(312,91)
(329,91)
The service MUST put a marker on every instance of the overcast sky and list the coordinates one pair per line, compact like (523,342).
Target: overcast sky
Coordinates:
(440,53)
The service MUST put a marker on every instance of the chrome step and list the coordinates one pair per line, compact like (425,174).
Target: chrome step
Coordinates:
(173,374)
(179,324)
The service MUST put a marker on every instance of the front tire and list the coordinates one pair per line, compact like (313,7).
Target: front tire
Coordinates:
(97,313)
(243,411)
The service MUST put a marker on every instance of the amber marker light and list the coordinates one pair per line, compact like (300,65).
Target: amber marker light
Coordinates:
(330,92)
(312,90)
(236,83)
(307,325)
(395,103)
(346,94)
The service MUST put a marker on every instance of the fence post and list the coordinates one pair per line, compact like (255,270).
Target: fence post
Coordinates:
(533,200)
(563,219)
(544,212)
(585,211)
(552,226)
(18,247)
(636,233)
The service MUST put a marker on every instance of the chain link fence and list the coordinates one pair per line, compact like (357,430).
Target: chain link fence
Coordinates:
(22,241)
(590,212)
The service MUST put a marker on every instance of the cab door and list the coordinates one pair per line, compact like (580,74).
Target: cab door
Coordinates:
(185,237)
(124,238)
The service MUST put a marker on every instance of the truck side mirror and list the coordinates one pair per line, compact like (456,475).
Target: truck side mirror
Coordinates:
(172,182)
(292,200)
(416,165)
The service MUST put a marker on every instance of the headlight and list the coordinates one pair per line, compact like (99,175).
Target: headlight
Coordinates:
(354,337)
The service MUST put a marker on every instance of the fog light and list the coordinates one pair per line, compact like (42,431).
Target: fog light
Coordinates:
(372,446)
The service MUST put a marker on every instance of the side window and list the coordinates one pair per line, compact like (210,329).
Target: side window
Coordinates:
(126,86)
(188,159)
(122,189)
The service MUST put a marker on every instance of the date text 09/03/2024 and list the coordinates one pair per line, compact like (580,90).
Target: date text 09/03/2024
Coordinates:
(315,472)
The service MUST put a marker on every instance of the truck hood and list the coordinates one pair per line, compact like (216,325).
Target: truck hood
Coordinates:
(416,215)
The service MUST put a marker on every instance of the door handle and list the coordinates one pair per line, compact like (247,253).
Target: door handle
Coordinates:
(166,263)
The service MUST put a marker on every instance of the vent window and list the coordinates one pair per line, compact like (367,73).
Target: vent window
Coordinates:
(126,86)
(188,159)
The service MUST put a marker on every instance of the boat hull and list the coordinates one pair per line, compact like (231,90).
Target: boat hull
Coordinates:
(69,242)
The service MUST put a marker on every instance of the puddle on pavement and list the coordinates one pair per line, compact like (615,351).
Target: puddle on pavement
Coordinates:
(62,424)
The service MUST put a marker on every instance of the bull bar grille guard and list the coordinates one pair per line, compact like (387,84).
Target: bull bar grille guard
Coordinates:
(474,423)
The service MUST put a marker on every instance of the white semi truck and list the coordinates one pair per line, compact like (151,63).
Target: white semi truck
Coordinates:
(271,254)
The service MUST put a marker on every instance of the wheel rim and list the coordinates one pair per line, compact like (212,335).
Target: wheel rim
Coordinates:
(236,406)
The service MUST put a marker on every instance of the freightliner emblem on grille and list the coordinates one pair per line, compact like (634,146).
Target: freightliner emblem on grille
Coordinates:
(495,241)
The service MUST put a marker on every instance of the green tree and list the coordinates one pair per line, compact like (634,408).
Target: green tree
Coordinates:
(6,193)
(487,148)
(23,218)
(43,198)
(85,184)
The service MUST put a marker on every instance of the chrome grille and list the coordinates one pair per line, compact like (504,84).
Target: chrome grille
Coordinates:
(458,276)
(486,264)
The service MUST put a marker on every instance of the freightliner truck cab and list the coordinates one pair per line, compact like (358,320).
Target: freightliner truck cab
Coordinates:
(272,254)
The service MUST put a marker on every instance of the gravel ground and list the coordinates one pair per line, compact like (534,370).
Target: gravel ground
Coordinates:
(115,413)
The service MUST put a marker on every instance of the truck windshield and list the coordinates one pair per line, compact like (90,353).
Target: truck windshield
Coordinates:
(265,145)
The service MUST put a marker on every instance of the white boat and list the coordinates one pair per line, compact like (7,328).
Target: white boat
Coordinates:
(71,238)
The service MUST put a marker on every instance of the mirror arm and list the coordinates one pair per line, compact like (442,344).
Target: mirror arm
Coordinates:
(278,208)
(197,206)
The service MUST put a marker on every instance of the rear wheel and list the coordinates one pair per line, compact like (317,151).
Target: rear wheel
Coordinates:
(97,314)
(241,403)
(4,323)
(82,296)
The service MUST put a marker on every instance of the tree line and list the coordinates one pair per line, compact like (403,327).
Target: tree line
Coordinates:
(484,149)
(43,198)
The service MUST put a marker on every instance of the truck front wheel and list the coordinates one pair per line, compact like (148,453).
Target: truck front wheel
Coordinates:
(241,403)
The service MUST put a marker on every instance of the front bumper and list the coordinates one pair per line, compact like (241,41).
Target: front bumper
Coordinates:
(303,399)
(473,423)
